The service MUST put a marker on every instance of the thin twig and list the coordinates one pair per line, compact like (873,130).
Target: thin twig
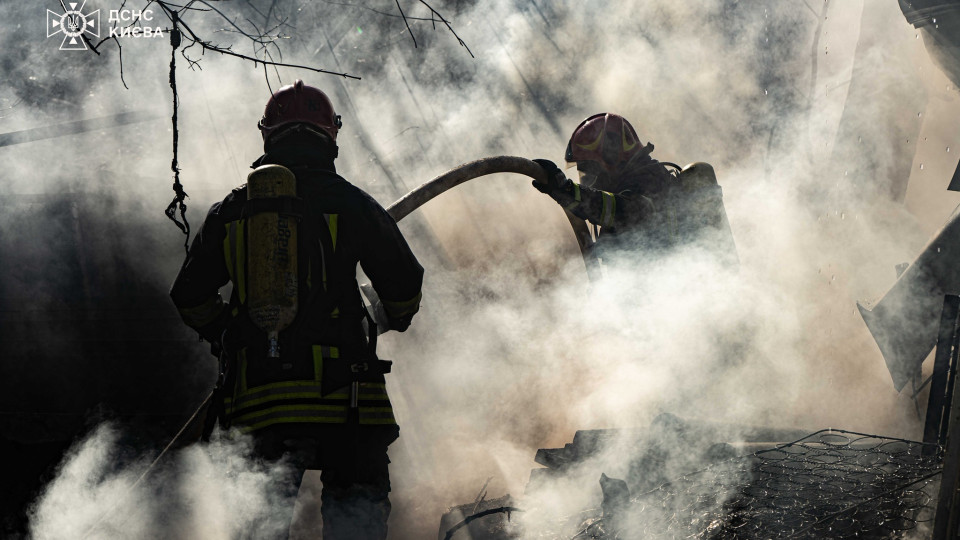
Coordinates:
(377,11)
(436,13)
(192,36)
(414,38)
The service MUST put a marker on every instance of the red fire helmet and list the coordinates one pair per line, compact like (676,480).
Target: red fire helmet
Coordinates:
(298,103)
(605,138)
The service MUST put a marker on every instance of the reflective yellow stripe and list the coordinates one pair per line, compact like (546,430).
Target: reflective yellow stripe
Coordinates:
(292,420)
(576,197)
(328,352)
(293,390)
(334,408)
(323,265)
(234,255)
(295,409)
(306,392)
(276,389)
(321,414)
(203,314)
(609,209)
(406,307)
(332,225)
(319,351)
(377,415)
(241,261)
(229,242)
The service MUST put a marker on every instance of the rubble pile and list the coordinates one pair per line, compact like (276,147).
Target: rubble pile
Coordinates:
(828,484)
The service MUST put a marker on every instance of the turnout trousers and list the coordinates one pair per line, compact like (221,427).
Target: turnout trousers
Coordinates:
(353,465)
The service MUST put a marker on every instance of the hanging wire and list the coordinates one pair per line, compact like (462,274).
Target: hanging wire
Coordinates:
(177,204)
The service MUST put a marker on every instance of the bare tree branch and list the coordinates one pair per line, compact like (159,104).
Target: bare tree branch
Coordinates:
(194,38)
(436,13)
(434,18)
(377,11)
(264,46)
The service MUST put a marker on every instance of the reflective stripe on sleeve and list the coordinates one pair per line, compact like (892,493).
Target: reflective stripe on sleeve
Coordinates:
(576,197)
(609,209)
(406,307)
(203,314)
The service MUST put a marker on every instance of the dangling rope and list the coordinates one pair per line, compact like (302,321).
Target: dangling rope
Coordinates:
(177,203)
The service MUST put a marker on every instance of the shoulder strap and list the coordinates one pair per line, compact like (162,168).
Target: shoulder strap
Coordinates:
(287,206)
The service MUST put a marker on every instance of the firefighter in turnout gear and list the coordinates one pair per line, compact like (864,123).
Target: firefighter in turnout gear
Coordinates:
(634,202)
(299,366)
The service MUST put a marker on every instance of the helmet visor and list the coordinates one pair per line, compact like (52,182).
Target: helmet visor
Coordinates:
(587,179)
(590,172)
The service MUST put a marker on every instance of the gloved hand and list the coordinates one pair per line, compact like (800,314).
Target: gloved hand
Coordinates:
(556,180)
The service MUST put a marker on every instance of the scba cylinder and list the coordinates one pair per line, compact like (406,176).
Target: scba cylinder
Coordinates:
(272,286)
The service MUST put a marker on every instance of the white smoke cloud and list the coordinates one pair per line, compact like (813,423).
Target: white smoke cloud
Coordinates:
(514,349)
(216,491)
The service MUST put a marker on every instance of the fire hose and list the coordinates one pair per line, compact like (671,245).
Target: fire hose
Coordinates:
(399,210)
(492,165)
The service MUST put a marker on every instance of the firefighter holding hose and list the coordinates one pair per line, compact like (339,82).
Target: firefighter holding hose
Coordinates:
(632,199)
(300,371)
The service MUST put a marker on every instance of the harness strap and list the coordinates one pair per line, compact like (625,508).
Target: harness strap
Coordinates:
(287,206)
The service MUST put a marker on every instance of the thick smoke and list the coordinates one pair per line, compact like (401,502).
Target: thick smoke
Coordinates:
(514,348)
(214,491)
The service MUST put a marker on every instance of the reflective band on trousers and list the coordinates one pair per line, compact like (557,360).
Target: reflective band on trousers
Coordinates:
(303,401)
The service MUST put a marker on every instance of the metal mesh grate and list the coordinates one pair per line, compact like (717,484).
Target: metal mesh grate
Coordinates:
(830,484)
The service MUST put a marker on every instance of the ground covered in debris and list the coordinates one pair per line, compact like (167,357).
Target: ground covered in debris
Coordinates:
(828,484)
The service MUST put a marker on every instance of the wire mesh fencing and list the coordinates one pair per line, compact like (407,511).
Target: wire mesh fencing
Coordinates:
(830,484)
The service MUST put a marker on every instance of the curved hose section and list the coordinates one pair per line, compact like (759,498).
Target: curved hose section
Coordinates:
(492,165)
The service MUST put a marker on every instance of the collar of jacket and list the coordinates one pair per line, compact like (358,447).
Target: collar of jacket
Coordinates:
(647,177)
(296,161)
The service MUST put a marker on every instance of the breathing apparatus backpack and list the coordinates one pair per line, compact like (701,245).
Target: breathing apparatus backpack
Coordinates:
(273,213)
(704,212)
